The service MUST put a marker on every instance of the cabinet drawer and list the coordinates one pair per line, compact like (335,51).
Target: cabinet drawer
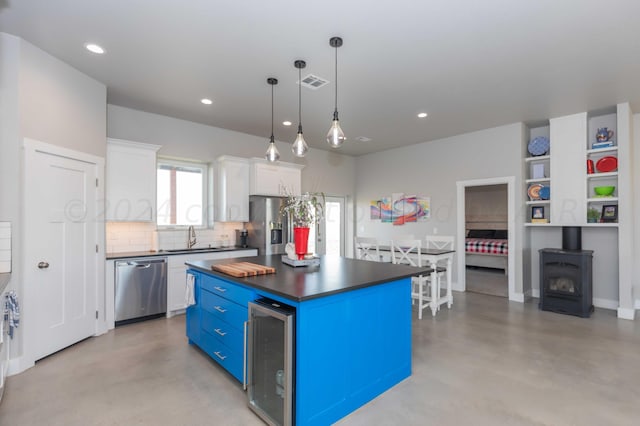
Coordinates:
(226,310)
(223,331)
(229,359)
(227,290)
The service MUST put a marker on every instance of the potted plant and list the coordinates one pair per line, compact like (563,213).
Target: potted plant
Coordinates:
(593,215)
(303,211)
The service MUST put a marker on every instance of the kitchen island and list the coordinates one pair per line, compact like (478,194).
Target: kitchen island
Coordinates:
(352,327)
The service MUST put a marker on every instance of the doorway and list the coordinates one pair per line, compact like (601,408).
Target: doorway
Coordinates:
(329,236)
(486,226)
(507,264)
(63,256)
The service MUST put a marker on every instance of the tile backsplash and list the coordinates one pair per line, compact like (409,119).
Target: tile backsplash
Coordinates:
(5,247)
(140,236)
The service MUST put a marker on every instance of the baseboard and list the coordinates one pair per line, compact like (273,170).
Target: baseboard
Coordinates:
(626,313)
(517,297)
(18,365)
(605,303)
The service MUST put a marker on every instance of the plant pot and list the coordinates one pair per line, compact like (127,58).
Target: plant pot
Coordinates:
(301,241)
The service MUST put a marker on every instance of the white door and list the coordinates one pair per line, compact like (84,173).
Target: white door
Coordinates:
(328,237)
(60,251)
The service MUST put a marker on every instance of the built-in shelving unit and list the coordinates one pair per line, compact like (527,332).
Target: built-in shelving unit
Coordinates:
(595,177)
(537,174)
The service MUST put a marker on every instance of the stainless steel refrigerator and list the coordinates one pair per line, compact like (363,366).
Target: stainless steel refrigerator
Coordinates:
(268,230)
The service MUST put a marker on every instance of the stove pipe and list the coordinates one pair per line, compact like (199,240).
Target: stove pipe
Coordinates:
(571,238)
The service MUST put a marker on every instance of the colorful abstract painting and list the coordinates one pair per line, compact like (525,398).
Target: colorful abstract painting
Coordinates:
(374,210)
(423,205)
(397,210)
(385,209)
(400,208)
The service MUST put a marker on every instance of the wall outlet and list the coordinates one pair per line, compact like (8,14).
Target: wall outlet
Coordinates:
(435,231)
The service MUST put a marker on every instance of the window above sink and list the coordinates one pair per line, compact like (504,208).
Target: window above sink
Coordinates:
(181,193)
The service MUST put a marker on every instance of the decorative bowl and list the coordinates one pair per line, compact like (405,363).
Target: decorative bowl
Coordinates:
(604,191)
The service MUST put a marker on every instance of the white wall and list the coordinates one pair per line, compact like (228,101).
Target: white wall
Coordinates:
(47,100)
(432,169)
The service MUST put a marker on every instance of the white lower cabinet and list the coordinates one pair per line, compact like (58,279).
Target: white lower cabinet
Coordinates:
(177,275)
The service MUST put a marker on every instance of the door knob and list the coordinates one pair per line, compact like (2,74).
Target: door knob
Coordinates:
(43,265)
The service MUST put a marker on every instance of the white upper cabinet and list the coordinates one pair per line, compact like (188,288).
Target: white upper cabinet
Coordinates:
(275,179)
(232,189)
(131,181)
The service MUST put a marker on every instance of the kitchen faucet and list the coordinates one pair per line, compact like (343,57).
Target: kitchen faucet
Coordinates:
(192,237)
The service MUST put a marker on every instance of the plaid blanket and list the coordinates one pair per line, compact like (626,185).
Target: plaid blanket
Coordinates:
(486,246)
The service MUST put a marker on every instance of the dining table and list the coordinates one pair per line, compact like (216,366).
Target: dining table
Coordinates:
(432,256)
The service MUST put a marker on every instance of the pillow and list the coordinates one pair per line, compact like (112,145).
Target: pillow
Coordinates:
(480,233)
(501,234)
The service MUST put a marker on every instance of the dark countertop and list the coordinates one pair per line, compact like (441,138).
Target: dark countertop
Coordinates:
(333,275)
(129,254)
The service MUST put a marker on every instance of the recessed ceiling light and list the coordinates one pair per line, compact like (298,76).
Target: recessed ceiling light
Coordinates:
(94,48)
(422,115)
(286,123)
(363,139)
(206,101)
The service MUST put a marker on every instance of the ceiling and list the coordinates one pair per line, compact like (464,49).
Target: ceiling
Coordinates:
(469,64)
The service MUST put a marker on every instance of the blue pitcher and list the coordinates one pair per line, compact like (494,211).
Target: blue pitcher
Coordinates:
(603,134)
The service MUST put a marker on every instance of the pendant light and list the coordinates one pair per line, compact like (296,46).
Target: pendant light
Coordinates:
(272,154)
(335,137)
(299,147)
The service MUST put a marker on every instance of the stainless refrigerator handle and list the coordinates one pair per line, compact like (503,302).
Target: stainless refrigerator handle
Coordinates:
(244,357)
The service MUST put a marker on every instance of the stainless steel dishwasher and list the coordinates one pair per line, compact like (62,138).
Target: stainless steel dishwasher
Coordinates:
(141,289)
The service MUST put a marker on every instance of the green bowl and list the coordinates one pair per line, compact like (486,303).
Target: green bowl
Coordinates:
(604,191)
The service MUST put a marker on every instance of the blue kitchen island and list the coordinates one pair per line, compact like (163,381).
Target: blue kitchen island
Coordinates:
(352,327)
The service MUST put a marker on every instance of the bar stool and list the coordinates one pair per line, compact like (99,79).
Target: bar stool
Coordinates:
(367,248)
(408,252)
(441,242)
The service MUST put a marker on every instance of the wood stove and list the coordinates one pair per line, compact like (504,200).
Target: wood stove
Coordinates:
(566,280)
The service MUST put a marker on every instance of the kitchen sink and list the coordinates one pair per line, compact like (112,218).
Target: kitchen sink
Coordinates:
(188,250)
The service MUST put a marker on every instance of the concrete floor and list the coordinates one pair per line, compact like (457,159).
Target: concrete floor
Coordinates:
(489,281)
(487,361)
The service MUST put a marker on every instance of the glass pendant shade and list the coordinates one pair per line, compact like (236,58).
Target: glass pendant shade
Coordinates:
(272,154)
(335,137)
(299,147)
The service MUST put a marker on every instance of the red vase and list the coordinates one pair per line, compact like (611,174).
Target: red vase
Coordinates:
(301,240)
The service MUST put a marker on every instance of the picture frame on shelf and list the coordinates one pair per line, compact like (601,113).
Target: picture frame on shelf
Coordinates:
(609,213)
(537,212)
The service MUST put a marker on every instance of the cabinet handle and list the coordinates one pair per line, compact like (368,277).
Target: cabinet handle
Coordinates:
(220,332)
(221,289)
(244,356)
(222,358)
(219,309)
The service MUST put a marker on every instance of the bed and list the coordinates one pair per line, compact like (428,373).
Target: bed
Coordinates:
(487,248)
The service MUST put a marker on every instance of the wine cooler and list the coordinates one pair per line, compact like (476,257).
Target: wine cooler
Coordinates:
(271,361)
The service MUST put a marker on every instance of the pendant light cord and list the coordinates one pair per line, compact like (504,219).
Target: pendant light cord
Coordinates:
(272,113)
(299,100)
(336,49)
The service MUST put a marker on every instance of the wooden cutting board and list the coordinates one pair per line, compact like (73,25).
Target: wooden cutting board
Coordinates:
(243,269)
